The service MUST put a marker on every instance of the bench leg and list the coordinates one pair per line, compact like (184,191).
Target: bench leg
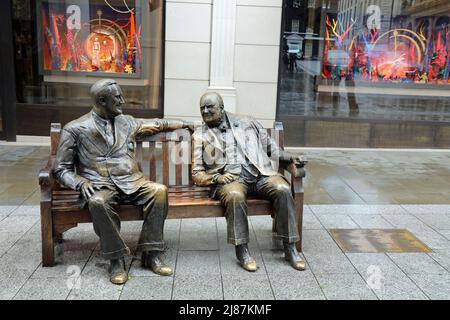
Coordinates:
(59,238)
(299,212)
(48,244)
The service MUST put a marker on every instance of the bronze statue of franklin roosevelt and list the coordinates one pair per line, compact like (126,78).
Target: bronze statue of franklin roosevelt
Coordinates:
(96,156)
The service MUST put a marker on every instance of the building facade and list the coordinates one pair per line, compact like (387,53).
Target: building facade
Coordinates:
(338,73)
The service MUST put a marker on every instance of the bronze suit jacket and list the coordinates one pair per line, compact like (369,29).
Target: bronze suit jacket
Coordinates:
(84,154)
(211,157)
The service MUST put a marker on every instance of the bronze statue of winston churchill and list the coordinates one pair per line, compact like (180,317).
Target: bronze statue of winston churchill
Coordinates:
(96,156)
(230,153)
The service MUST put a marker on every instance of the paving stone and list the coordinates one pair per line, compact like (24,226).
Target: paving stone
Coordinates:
(437,221)
(94,288)
(310,222)
(387,280)
(198,234)
(44,289)
(265,240)
(31,210)
(442,257)
(371,221)
(431,238)
(172,233)
(65,262)
(319,241)
(134,227)
(407,221)
(427,209)
(420,263)
(337,221)
(7,240)
(398,287)
(17,223)
(247,287)
(299,286)
(11,280)
(307,209)
(6,210)
(329,263)
(357,209)
(197,263)
(445,233)
(435,286)
(147,288)
(344,286)
(24,255)
(75,250)
(364,262)
(262,232)
(81,227)
(197,287)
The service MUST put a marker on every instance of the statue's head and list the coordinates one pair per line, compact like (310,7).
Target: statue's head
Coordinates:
(211,108)
(107,97)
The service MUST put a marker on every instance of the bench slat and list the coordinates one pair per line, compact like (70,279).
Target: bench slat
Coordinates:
(152,161)
(178,167)
(166,163)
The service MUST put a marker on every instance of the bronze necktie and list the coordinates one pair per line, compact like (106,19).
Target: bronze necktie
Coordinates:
(109,133)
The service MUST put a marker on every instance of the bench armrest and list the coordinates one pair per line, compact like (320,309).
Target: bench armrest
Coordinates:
(297,175)
(47,180)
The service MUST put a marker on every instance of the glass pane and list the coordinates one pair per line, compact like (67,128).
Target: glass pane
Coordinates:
(366,59)
(62,47)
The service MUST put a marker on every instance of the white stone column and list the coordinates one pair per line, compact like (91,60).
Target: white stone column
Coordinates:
(222,51)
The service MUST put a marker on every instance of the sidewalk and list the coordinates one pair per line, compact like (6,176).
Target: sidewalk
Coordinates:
(344,189)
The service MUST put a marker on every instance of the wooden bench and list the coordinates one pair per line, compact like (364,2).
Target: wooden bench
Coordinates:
(59,210)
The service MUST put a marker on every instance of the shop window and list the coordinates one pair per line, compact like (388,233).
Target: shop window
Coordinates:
(368,60)
(62,47)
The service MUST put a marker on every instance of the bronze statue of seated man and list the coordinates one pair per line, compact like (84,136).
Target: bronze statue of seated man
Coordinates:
(230,154)
(96,156)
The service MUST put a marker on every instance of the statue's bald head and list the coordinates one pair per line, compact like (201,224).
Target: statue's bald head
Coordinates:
(211,108)
(212,96)
(102,87)
(107,97)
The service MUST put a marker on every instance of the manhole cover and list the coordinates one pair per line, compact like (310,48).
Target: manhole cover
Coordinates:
(377,240)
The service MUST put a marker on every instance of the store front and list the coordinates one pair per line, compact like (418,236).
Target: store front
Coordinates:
(371,73)
(63,47)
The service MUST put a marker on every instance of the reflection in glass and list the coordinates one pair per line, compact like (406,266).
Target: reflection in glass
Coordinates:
(91,37)
(62,47)
(377,59)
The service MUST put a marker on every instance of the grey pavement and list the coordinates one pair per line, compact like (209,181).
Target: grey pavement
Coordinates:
(344,189)
(210,270)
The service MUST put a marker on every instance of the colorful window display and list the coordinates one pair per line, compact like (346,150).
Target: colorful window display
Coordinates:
(411,51)
(92,36)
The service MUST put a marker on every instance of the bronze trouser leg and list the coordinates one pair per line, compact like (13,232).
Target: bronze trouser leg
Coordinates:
(233,197)
(153,197)
(107,224)
(278,191)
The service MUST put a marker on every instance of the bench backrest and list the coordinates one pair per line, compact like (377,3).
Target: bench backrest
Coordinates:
(160,162)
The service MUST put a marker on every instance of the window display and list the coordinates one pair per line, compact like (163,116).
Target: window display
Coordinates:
(91,36)
(413,50)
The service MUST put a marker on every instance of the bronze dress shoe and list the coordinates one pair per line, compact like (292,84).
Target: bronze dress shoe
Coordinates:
(246,261)
(152,260)
(117,273)
(291,255)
